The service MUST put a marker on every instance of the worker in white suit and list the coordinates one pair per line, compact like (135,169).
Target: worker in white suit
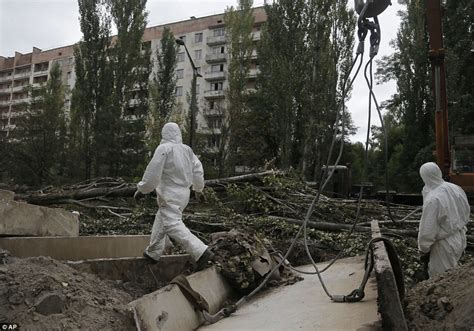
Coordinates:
(172,171)
(442,231)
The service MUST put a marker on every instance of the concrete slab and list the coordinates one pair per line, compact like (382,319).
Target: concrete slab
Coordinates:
(389,301)
(136,269)
(6,196)
(168,309)
(22,219)
(305,306)
(77,248)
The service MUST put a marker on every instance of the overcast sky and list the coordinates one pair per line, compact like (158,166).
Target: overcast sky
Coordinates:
(48,24)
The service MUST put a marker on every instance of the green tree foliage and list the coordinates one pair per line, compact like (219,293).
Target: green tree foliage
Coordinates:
(91,96)
(131,66)
(39,140)
(162,88)
(411,106)
(459,36)
(239,25)
(109,102)
(305,52)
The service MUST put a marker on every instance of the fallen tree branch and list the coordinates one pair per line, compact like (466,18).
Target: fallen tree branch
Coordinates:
(240,179)
(326,226)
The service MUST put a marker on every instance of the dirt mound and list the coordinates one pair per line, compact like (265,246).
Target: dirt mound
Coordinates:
(443,302)
(44,294)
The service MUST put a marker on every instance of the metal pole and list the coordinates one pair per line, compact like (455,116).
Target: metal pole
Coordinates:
(436,55)
(193,107)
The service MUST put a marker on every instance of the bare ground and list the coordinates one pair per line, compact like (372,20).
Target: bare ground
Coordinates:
(45,294)
(444,302)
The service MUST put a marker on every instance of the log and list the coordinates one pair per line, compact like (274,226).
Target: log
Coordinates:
(336,227)
(121,190)
(240,179)
(58,198)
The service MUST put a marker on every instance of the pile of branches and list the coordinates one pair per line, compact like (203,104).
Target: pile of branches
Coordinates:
(270,205)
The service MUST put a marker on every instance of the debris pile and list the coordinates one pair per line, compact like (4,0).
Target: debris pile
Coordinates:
(443,302)
(244,261)
(42,294)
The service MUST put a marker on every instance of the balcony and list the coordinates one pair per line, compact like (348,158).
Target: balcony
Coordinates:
(214,58)
(40,73)
(5,90)
(22,75)
(5,78)
(254,56)
(215,75)
(19,101)
(214,112)
(256,35)
(252,74)
(4,102)
(19,88)
(214,94)
(216,40)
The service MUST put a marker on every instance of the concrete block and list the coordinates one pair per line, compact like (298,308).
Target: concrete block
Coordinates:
(168,309)
(389,302)
(77,248)
(22,219)
(6,196)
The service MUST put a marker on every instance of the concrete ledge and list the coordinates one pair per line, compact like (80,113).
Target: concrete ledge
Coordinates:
(390,307)
(6,196)
(77,248)
(168,309)
(22,219)
(135,269)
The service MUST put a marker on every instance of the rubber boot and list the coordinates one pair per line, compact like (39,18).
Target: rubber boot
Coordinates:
(206,257)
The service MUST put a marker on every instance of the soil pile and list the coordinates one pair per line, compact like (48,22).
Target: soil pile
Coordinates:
(444,302)
(44,294)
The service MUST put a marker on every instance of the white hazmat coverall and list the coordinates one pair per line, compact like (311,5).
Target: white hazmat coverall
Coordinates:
(171,172)
(443,229)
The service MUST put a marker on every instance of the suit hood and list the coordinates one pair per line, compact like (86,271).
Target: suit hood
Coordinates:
(171,134)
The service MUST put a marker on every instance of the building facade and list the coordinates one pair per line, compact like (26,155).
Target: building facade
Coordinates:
(204,37)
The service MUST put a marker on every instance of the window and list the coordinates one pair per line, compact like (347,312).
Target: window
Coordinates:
(214,122)
(217,68)
(217,86)
(198,88)
(212,105)
(183,38)
(179,73)
(68,75)
(180,57)
(218,50)
(179,91)
(146,45)
(218,32)
(198,37)
(198,54)
(213,141)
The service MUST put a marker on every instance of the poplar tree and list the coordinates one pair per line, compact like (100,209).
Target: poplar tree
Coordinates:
(305,52)
(130,66)
(39,139)
(412,105)
(162,88)
(91,96)
(239,25)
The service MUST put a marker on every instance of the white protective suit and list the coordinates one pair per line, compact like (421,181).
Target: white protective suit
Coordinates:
(443,229)
(171,172)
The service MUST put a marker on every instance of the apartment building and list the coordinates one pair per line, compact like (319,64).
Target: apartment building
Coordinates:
(205,39)
(22,70)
